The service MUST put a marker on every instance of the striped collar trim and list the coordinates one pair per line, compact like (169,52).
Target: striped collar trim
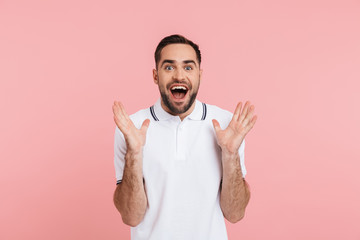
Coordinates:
(159,114)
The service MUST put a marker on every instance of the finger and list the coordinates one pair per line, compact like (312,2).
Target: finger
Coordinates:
(252,123)
(248,116)
(120,125)
(121,121)
(216,125)
(237,111)
(244,111)
(118,113)
(145,125)
(123,112)
(117,109)
(122,115)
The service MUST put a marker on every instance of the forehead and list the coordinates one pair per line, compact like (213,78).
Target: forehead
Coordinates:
(178,52)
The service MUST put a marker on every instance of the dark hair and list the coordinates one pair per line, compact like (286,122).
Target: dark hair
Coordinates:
(176,38)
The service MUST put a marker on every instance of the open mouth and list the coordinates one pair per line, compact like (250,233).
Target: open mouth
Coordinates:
(179,91)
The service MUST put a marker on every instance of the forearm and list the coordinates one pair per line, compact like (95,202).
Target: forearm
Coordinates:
(235,193)
(129,197)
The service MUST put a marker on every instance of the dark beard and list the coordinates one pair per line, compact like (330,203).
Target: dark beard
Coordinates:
(174,110)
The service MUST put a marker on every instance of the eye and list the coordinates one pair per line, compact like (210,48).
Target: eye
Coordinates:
(188,68)
(169,68)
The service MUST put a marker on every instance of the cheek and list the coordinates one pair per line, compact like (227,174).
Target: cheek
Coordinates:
(195,79)
(164,79)
(194,75)
(162,84)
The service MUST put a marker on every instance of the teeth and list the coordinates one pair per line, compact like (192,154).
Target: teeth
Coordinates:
(179,87)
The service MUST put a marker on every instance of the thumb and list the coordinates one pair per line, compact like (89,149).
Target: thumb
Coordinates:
(216,125)
(145,125)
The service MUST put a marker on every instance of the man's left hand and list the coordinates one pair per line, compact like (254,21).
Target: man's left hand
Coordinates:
(242,122)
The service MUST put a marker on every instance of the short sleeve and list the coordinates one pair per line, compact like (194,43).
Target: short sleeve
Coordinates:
(119,154)
(242,158)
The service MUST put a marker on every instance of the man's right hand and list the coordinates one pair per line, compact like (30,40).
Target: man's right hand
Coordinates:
(135,138)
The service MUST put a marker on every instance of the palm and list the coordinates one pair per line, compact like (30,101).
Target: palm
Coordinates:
(135,138)
(231,138)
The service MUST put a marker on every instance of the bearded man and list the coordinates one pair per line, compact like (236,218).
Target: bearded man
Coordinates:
(180,163)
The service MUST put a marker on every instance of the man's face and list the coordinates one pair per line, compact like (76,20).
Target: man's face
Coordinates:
(178,77)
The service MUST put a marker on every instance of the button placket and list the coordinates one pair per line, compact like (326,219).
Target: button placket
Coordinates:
(180,144)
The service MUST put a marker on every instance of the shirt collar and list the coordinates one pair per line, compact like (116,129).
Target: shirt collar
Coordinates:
(159,114)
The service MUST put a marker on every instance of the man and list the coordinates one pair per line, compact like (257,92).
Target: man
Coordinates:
(180,163)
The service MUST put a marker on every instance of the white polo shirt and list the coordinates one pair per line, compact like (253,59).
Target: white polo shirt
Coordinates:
(182,170)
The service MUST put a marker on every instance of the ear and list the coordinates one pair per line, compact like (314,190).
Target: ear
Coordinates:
(200,74)
(155,76)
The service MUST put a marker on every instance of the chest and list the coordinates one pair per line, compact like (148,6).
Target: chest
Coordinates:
(185,152)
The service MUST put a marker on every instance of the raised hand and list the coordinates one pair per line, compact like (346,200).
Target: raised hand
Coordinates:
(135,138)
(242,122)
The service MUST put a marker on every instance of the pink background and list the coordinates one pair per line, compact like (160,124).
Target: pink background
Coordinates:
(63,63)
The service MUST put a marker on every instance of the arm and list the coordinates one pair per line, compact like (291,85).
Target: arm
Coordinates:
(129,196)
(235,193)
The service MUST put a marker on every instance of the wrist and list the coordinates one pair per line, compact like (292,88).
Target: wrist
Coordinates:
(133,155)
(231,164)
(134,150)
(229,154)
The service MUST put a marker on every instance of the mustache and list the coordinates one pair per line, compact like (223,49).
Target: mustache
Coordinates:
(179,82)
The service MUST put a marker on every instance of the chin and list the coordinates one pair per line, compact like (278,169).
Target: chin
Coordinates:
(176,109)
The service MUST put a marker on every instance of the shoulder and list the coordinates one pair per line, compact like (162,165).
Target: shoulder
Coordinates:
(221,115)
(138,117)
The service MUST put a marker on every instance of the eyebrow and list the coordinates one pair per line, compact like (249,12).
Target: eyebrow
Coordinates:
(173,61)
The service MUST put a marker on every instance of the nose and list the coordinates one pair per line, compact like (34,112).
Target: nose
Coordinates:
(179,74)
